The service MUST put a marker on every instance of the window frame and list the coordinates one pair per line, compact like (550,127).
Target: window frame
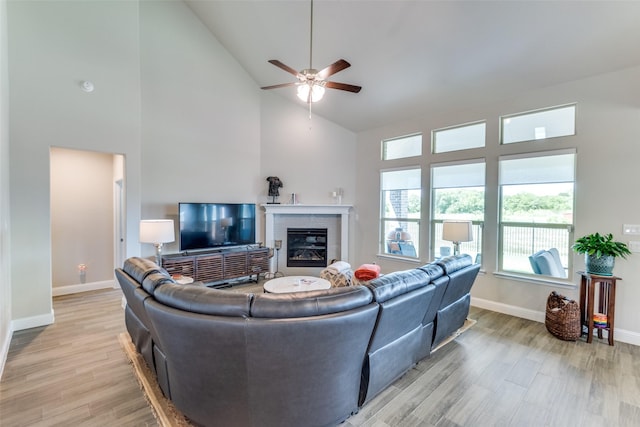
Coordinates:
(478,225)
(382,230)
(434,133)
(399,138)
(501,223)
(505,117)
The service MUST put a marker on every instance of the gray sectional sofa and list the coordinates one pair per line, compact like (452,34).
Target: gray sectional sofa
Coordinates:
(306,358)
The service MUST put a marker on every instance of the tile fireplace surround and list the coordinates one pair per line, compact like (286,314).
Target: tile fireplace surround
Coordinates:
(273,211)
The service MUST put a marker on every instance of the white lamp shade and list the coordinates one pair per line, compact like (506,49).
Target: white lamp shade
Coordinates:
(157,231)
(457,231)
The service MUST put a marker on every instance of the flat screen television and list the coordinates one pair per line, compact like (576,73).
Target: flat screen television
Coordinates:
(215,225)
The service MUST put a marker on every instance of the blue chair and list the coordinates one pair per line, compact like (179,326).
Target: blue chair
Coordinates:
(548,263)
(407,249)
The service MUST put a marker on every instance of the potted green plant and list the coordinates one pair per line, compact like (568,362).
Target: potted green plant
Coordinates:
(600,252)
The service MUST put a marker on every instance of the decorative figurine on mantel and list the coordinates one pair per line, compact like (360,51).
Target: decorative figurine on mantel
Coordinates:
(274,189)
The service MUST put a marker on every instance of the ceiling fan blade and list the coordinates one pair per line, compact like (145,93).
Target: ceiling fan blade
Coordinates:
(280,85)
(339,65)
(285,67)
(343,86)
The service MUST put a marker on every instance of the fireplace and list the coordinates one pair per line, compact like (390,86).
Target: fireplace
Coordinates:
(306,247)
(335,218)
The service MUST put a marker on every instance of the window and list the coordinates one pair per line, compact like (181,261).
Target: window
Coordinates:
(400,212)
(458,194)
(399,148)
(459,137)
(541,124)
(536,209)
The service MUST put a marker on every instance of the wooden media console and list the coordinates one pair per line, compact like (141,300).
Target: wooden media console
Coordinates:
(216,267)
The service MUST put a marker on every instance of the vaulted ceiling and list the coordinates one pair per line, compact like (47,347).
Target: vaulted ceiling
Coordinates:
(414,58)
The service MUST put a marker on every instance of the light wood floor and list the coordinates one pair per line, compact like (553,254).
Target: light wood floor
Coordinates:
(504,371)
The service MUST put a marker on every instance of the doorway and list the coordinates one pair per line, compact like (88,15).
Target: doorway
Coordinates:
(87,219)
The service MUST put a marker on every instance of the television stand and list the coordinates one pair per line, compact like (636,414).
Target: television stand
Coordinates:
(219,265)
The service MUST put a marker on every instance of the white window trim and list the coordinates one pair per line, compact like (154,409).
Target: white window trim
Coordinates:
(434,131)
(502,118)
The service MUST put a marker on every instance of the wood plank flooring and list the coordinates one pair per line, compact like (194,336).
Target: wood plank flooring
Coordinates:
(504,371)
(73,373)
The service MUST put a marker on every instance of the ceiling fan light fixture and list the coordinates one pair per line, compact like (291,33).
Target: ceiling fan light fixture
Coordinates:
(317,92)
(311,82)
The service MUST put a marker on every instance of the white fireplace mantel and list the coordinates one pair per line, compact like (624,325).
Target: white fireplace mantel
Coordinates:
(271,210)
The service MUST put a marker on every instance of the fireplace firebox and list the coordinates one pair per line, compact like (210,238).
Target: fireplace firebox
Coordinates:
(306,247)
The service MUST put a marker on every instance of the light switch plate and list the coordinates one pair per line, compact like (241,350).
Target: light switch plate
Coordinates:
(630,229)
(634,246)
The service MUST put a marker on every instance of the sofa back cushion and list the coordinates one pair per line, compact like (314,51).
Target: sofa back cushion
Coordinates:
(460,283)
(139,268)
(203,300)
(313,303)
(440,285)
(433,270)
(397,283)
(155,279)
(454,263)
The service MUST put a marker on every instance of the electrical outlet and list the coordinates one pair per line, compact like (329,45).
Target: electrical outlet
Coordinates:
(634,246)
(630,229)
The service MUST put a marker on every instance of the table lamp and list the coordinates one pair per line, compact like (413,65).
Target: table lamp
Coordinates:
(158,232)
(456,232)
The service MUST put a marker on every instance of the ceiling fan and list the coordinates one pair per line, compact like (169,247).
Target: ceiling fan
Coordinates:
(311,82)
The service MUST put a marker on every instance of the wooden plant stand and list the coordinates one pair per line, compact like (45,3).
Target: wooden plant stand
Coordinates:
(606,302)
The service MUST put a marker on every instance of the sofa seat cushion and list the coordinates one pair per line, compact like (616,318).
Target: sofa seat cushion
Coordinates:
(397,283)
(312,303)
(203,300)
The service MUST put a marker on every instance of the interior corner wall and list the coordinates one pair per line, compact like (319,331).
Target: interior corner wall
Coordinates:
(607,134)
(200,117)
(5,231)
(53,46)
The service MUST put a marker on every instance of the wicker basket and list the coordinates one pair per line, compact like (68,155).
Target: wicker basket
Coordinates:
(563,317)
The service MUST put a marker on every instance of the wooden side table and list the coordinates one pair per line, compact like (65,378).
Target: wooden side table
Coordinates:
(606,302)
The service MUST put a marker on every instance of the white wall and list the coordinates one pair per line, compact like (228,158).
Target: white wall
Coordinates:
(607,142)
(190,123)
(200,117)
(53,46)
(312,157)
(5,256)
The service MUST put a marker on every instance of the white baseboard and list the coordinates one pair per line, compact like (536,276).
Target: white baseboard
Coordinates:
(511,310)
(48,319)
(621,335)
(32,322)
(83,287)
(4,349)
(629,337)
